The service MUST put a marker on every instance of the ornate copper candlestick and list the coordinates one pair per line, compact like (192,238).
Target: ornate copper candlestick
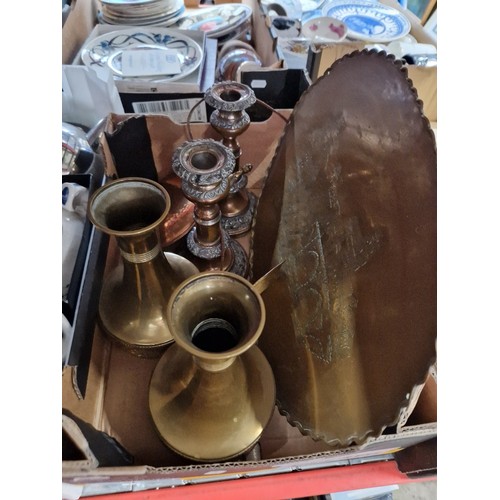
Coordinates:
(230,120)
(206,169)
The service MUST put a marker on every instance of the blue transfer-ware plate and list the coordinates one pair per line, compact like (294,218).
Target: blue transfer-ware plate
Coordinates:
(106,50)
(369,21)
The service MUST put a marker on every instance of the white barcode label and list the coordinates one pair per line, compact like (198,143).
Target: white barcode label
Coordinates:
(178,110)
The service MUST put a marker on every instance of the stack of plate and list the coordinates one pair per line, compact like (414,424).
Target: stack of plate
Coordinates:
(223,22)
(141,12)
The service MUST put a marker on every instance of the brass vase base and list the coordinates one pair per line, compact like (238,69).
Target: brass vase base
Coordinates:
(113,296)
(225,419)
(239,224)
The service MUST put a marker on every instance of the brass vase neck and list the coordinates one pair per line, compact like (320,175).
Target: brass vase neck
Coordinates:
(216,316)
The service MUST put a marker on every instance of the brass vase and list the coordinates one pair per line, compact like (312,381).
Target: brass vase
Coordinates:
(134,293)
(213,392)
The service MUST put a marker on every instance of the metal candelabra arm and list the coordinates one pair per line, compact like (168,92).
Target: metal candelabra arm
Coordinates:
(190,114)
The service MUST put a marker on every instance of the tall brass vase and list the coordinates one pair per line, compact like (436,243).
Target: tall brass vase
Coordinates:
(213,392)
(134,293)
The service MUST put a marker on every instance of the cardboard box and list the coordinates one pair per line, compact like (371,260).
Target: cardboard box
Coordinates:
(424,79)
(174,98)
(117,390)
(177,102)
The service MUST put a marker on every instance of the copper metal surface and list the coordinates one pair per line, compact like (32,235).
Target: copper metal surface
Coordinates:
(212,393)
(206,169)
(230,119)
(180,217)
(349,206)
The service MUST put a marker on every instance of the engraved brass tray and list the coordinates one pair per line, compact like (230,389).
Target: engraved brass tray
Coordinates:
(349,206)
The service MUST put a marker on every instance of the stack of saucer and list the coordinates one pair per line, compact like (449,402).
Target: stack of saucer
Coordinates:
(141,12)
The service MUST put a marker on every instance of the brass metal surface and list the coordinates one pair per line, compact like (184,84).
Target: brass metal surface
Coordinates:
(349,207)
(134,293)
(212,393)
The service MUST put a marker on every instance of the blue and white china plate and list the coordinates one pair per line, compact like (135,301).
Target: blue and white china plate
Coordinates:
(369,21)
(107,50)
(216,21)
(310,5)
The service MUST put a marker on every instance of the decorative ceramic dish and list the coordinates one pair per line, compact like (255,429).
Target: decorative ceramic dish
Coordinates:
(108,49)
(369,21)
(285,27)
(216,21)
(288,8)
(324,30)
(309,5)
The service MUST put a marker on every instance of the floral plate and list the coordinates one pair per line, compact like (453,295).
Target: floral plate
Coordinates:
(107,50)
(216,21)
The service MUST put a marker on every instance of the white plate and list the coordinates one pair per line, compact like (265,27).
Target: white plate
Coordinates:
(369,21)
(106,50)
(216,21)
(166,20)
(309,5)
(324,30)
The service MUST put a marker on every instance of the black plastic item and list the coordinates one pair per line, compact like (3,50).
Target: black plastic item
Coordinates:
(108,451)
(280,89)
(83,334)
(130,146)
(84,160)
(80,307)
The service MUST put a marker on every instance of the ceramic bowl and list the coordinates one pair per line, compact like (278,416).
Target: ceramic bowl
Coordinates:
(295,51)
(324,30)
